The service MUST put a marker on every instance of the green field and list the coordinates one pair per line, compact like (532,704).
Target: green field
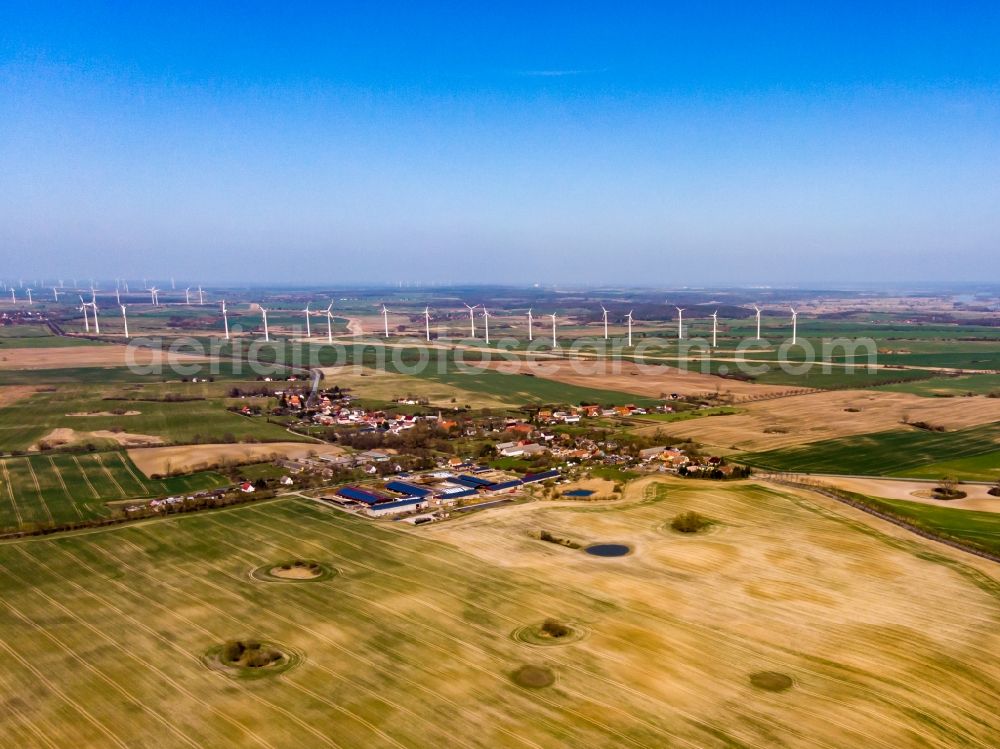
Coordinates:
(412,643)
(978,384)
(35,336)
(61,488)
(26,421)
(970,454)
(979,529)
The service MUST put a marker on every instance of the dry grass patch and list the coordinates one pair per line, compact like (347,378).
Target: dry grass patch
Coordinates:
(64,437)
(812,417)
(629,377)
(187,458)
(109,355)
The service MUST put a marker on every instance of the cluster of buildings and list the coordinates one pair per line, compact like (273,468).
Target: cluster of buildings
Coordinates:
(406,493)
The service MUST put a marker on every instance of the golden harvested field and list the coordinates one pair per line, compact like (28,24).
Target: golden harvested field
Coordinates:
(629,377)
(416,639)
(384,385)
(184,458)
(62,436)
(89,356)
(799,419)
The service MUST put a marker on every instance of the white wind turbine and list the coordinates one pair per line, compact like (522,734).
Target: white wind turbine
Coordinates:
(308,329)
(472,319)
(55,293)
(201,296)
(83,309)
(97,324)
(124,319)
(385,319)
(13,299)
(553,316)
(605,313)
(486,322)
(263,313)
(187,295)
(29,296)
(680,322)
(629,318)
(118,296)
(795,325)
(329,324)
(154,296)
(758,320)
(715,327)
(225,318)
(427,322)
(531,334)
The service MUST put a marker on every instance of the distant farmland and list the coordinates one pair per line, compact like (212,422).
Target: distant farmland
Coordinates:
(60,488)
(892,453)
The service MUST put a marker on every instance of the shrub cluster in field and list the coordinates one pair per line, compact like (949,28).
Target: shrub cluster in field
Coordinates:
(544,535)
(249,654)
(690,522)
(555,628)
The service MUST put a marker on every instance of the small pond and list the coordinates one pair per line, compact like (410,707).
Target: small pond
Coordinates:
(608,550)
(578,493)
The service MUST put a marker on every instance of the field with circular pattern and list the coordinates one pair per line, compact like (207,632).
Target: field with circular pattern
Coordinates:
(799,622)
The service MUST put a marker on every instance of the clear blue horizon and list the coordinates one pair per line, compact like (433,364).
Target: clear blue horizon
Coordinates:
(728,143)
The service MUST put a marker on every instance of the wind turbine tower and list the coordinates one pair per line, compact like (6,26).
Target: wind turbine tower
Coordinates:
(385,319)
(758,320)
(225,318)
(267,335)
(124,319)
(715,327)
(29,296)
(86,320)
(795,325)
(680,322)
(553,316)
(486,323)
(329,324)
(308,329)
(531,335)
(629,318)
(605,313)
(427,323)
(201,296)
(187,295)
(472,319)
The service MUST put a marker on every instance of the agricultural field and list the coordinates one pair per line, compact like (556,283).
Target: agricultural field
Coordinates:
(426,636)
(814,417)
(935,387)
(967,454)
(82,414)
(61,488)
(33,336)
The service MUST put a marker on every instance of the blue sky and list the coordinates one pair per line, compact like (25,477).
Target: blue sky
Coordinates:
(517,142)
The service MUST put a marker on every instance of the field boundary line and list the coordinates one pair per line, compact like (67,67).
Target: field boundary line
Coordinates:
(125,461)
(86,478)
(100,462)
(62,483)
(10,493)
(38,489)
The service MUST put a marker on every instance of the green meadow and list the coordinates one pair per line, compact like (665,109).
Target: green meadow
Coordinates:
(60,488)
(969,454)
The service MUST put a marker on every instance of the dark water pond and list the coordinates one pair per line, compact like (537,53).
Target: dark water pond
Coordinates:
(608,550)
(578,493)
